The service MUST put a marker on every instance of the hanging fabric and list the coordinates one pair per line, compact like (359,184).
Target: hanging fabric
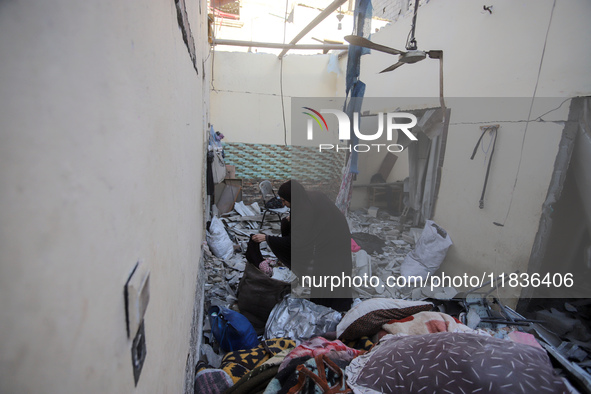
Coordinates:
(355,89)
(361,27)
(345,192)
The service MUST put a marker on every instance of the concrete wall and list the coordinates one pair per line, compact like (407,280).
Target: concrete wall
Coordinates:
(496,55)
(487,55)
(246,94)
(102,119)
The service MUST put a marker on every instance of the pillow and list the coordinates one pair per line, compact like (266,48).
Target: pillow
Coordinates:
(366,318)
(447,362)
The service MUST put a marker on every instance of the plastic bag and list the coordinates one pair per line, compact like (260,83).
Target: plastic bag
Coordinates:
(428,254)
(274,203)
(218,165)
(218,240)
(300,319)
(232,330)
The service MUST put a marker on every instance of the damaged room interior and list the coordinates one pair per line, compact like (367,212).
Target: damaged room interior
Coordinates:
(311,196)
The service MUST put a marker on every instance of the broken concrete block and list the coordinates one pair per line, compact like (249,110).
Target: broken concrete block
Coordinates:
(557,321)
(362,263)
(570,307)
(380,288)
(393,233)
(473,319)
(428,292)
(417,294)
(445,293)
(213,359)
(572,351)
(373,211)
(408,238)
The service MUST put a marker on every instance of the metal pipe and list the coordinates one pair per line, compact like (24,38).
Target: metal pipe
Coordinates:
(326,12)
(255,44)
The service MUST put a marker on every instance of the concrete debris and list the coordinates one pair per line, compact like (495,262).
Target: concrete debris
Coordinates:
(383,259)
(373,211)
(572,351)
(248,218)
(223,275)
(210,356)
(283,274)
(570,307)
(397,239)
(399,242)
(438,293)
(362,263)
(473,318)
(394,238)
(236,262)
(408,238)
(247,210)
(559,322)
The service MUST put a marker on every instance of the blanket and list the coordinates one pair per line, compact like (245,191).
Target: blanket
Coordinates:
(425,323)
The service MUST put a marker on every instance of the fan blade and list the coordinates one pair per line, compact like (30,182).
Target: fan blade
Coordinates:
(392,67)
(364,42)
(437,54)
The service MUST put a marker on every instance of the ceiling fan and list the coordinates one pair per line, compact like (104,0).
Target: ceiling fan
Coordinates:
(412,54)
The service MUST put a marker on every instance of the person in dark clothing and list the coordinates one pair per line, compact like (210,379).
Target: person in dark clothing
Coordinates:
(319,242)
(280,246)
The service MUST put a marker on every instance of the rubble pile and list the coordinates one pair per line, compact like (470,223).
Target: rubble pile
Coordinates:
(384,239)
(223,275)
(380,244)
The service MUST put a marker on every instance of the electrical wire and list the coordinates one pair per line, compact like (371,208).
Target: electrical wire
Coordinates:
(538,119)
(529,116)
(212,54)
(281,75)
(487,150)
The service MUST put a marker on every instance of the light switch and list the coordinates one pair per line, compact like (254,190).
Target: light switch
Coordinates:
(137,296)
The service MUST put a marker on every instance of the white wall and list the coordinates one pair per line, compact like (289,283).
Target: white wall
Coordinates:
(487,55)
(494,55)
(246,94)
(101,161)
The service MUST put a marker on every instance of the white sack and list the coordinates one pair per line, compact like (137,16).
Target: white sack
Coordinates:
(218,240)
(429,252)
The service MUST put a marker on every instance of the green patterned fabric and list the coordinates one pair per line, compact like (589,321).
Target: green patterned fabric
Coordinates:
(259,161)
